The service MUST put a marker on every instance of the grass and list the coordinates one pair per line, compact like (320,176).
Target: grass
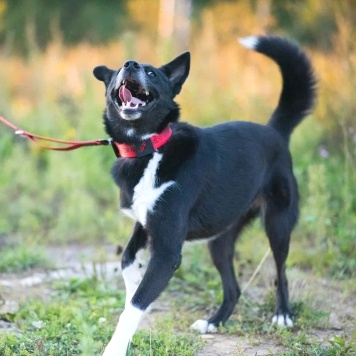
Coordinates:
(301,345)
(56,326)
(164,341)
(79,319)
(19,258)
(81,313)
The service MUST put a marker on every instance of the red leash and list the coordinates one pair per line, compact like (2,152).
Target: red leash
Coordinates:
(67,145)
(144,148)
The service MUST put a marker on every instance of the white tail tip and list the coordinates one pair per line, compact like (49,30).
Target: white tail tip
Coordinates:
(249,42)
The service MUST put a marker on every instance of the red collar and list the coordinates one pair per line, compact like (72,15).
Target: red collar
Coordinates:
(143,148)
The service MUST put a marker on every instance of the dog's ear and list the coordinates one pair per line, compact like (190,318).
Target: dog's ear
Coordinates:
(177,71)
(104,74)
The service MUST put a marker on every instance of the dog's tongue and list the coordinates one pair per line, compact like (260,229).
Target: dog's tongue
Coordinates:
(125,94)
(127,98)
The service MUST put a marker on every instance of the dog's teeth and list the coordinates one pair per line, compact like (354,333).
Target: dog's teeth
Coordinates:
(136,106)
(147,93)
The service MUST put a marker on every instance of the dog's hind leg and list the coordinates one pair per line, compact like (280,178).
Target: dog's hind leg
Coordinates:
(132,264)
(222,253)
(279,220)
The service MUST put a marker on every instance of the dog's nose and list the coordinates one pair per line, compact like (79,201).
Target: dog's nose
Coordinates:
(132,65)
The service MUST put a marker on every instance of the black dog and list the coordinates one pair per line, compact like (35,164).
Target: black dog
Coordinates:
(180,182)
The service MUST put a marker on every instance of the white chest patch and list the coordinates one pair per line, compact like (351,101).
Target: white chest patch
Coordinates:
(145,193)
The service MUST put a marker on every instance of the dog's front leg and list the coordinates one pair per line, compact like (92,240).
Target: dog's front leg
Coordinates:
(131,263)
(165,259)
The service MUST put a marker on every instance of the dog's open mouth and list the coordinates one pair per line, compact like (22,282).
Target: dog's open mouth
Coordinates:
(132,95)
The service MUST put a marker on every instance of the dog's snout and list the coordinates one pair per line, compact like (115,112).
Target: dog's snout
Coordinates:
(131,65)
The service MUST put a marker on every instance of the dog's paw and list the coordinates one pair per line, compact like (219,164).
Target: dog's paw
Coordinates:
(282,320)
(112,351)
(204,327)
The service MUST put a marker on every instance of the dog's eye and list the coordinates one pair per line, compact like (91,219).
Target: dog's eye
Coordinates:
(150,73)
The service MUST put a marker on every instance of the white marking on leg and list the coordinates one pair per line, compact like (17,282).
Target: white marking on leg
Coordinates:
(125,329)
(212,328)
(249,42)
(145,193)
(203,326)
(282,320)
(133,274)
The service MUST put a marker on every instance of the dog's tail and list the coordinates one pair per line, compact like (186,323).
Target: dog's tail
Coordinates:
(299,85)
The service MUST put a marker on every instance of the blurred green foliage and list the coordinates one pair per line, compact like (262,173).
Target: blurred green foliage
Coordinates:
(65,197)
(313,22)
(36,23)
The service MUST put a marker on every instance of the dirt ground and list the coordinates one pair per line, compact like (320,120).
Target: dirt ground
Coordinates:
(329,296)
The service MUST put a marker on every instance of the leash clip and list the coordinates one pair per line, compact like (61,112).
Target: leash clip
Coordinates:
(20,133)
(114,147)
(105,141)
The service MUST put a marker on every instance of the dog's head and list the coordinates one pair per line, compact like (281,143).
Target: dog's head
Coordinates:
(139,97)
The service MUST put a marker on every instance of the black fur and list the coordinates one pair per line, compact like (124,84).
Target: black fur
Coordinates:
(224,176)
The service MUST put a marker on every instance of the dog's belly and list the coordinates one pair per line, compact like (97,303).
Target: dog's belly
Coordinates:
(145,193)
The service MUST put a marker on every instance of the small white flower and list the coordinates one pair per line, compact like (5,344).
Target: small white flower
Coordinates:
(102,321)
(38,324)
